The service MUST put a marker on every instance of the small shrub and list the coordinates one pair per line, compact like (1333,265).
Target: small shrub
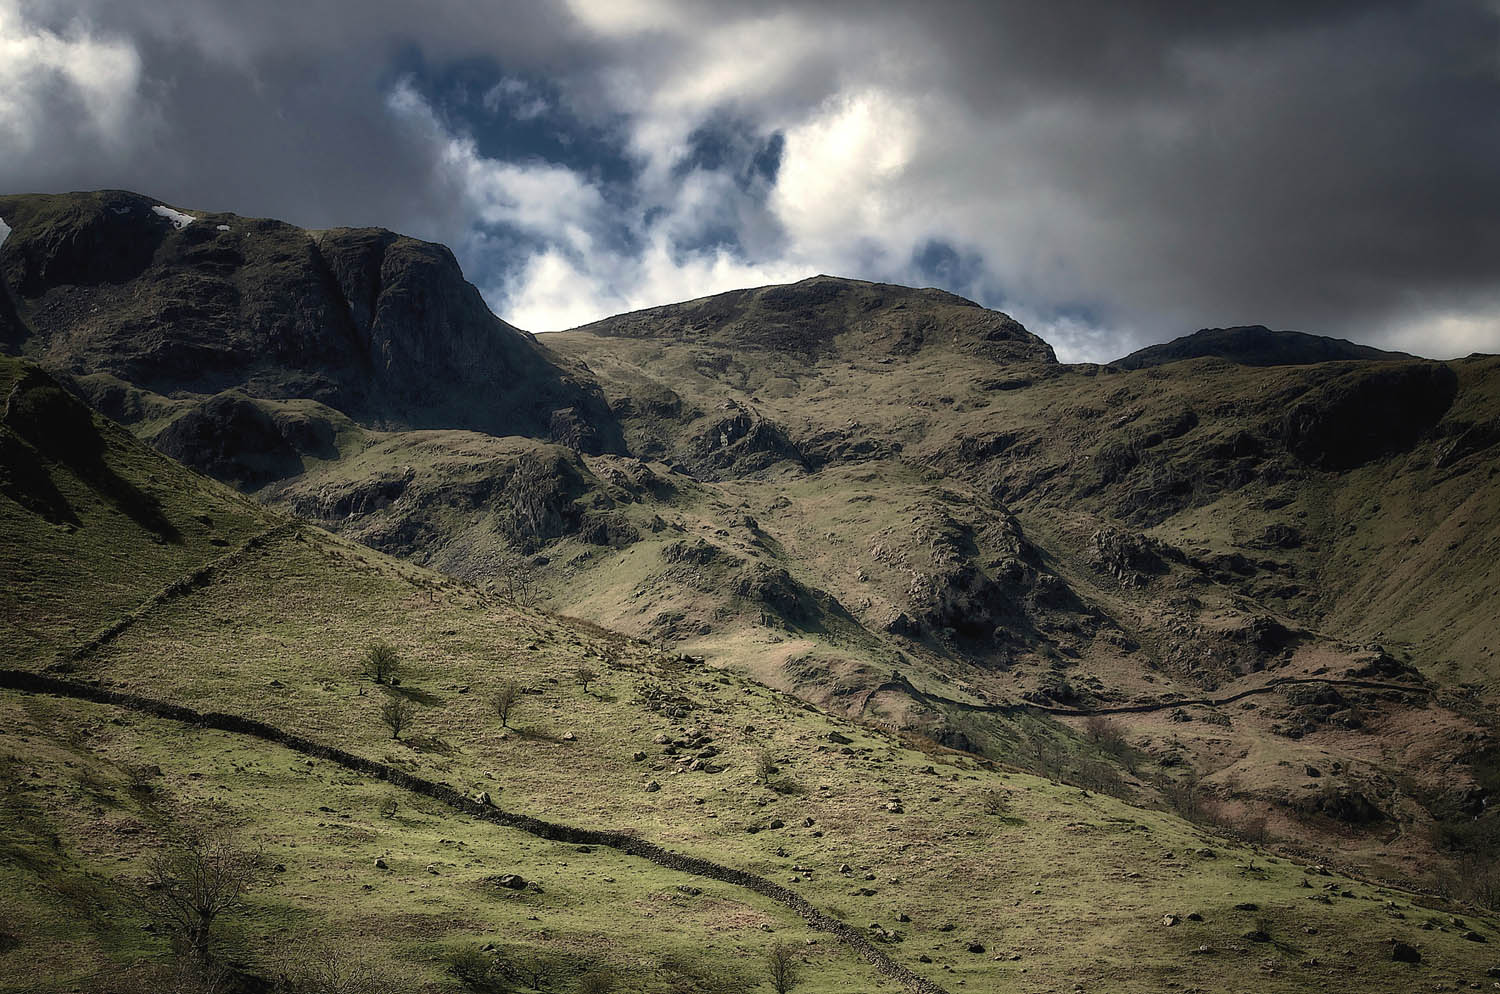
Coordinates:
(382,662)
(585,675)
(995,801)
(505,700)
(1099,776)
(327,968)
(784,968)
(1252,828)
(1183,797)
(596,982)
(478,970)
(397,714)
(765,765)
(1105,733)
(388,807)
(139,777)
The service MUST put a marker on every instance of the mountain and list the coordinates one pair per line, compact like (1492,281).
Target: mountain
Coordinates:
(1256,345)
(193,322)
(950,541)
(825,315)
(918,618)
(658,789)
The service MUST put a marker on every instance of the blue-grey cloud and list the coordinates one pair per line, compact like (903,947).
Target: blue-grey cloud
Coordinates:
(1113,174)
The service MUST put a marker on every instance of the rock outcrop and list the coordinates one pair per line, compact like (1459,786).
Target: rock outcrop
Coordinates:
(374,324)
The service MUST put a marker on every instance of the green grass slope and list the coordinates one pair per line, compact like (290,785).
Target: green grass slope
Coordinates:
(1048,888)
(94,524)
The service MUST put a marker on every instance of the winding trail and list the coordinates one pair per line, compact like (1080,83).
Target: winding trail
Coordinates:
(899,682)
(26,681)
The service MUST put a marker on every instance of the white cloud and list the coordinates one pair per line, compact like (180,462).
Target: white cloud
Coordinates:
(576,276)
(1153,172)
(1445,334)
(842,169)
(616,18)
(545,200)
(53,81)
(554,292)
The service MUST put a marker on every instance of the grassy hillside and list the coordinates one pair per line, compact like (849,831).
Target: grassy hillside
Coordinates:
(95,524)
(849,490)
(977,876)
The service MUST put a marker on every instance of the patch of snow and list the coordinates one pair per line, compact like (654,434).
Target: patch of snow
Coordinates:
(223,227)
(179,220)
(4,231)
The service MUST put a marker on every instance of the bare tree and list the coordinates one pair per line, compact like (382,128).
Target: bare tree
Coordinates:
(784,967)
(765,765)
(519,577)
(397,713)
(585,675)
(329,968)
(213,977)
(1105,733)
(505,701)
(382,662)
(196,878)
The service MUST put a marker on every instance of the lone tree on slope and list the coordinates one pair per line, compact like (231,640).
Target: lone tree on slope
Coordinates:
(198,876)
(382,662)
(505,701)
(397,714)
(782,964)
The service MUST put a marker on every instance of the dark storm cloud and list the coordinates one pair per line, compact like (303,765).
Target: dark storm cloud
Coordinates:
(1115,173)
(276,108)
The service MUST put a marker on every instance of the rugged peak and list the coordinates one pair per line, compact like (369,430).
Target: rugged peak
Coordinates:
(1255,345)
(832,315)
(375,324)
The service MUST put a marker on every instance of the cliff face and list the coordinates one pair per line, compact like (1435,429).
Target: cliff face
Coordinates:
(374,324)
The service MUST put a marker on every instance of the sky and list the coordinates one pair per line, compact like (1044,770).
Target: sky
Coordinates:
(1111,174)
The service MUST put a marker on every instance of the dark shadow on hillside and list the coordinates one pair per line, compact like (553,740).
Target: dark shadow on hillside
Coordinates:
(416,695)
(537,734)
(62,429)
(429,743)
(25,480)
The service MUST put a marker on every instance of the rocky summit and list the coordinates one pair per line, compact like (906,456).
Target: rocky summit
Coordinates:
(151,311)
(837,611)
